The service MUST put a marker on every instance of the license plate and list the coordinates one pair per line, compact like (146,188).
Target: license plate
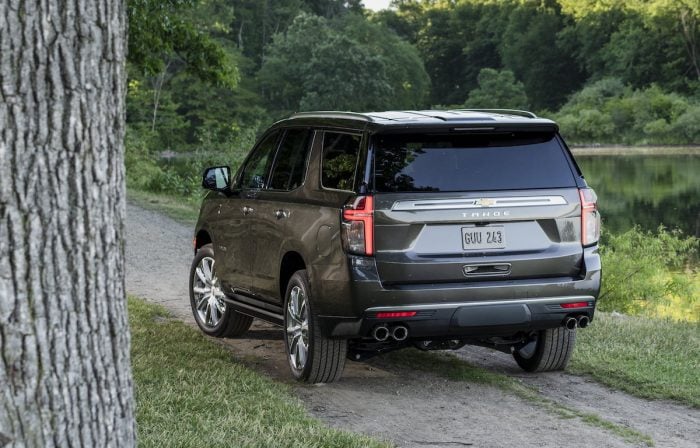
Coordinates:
(479,238)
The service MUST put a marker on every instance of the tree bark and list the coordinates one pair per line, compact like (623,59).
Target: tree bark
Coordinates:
(65,375)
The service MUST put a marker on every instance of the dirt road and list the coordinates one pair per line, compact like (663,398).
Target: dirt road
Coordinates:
(409,408)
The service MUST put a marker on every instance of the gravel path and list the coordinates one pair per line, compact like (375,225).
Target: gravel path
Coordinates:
(409,408)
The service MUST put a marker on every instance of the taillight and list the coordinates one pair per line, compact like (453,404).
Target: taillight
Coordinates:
(357,230)
(590,218)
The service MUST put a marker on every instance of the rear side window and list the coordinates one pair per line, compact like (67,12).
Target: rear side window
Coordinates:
(470,162)
(258,165)
(290,163)
(340,152)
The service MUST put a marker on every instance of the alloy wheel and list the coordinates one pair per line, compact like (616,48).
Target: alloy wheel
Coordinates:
(209,299)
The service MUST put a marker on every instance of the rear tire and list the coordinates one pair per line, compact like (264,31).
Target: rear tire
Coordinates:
(312,357)
(552,351)
(213,316)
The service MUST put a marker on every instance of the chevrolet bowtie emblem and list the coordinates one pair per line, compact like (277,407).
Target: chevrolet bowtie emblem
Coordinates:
(485,202)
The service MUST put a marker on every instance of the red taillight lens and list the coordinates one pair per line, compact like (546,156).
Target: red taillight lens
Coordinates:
(358,226)
(590,218)
(395,314)
(575,305)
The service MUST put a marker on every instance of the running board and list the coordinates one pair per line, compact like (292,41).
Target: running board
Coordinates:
(273,317)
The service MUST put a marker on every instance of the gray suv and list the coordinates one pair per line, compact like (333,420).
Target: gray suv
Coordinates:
(365,233)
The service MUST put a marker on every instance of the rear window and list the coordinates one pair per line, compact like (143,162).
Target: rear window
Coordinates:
(469,162)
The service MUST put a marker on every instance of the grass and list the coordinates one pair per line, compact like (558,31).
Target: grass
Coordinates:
(180,208)
(677,307)
(650,358)
(457,370)
(190,392)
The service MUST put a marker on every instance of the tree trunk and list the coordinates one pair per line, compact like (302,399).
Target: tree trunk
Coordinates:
(689,31)
(157,91)
(65,375)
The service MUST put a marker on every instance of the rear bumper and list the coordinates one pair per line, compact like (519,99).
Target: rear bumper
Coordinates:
(466,319)
(470,309)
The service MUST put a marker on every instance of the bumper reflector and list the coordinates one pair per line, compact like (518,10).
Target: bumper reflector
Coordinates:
(575,305)
(395,314)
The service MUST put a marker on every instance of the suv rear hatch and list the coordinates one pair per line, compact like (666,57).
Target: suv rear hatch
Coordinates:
(460,207)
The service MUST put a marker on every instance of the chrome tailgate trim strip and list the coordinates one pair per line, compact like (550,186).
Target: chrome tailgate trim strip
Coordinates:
(455,204)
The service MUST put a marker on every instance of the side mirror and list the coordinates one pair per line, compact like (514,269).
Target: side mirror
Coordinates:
(216,178)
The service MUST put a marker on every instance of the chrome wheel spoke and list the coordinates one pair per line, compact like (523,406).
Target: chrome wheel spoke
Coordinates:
(294,350)
(206,269)
(294,303)
(214,312)
(301,315)
(221,306)
(301,353)
(201,275)
(201,290)
(207,314)
(203,301)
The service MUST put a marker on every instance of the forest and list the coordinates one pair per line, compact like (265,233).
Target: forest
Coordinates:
(206,76)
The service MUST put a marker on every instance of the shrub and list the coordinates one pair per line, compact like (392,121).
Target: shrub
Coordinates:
(141,168)
(608,112)
(497,90)
(645,270)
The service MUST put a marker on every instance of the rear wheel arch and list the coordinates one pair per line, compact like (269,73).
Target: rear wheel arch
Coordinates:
(201,239)
(292,261)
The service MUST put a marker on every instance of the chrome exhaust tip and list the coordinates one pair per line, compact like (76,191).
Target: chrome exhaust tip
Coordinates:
(380,333)
(583,321)
(570,323)
(399,333)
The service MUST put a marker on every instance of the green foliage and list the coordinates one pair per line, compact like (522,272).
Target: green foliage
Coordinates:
(140,166)
(497,89)
(609,112)
(344,64)
(529,47)
(554,47)
(404,70)
(643,41)
(642,270)
(163,29)
(344,75)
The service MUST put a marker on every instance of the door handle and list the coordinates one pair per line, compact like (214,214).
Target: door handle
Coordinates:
(281,213)
(247,210)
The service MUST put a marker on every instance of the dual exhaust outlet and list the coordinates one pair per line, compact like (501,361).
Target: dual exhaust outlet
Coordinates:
(572,322)
(398,333)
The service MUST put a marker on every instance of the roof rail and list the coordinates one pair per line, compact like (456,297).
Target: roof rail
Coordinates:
(332,114)
(521,113)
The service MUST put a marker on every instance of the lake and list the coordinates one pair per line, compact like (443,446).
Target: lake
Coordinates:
(639,188)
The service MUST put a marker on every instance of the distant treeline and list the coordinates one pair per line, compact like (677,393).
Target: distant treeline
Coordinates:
(208,74)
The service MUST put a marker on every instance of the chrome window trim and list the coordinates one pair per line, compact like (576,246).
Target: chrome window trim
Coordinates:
(489,202)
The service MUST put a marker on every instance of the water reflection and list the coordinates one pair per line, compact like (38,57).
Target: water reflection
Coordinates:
(646,190)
